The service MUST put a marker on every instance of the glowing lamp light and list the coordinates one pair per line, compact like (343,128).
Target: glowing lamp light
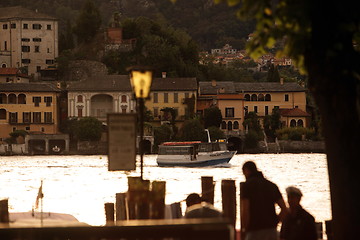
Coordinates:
(141,80)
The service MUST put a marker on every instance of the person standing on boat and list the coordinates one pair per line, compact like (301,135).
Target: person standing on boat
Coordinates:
(298,224)
(258,197)
(196,208)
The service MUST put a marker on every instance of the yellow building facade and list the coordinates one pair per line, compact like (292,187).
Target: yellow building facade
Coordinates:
(178,94)
(32,107)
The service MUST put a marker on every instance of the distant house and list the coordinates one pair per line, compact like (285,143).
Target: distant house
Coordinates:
(12,75)
(32,107)
(28,39)
(100,94)
(180,94)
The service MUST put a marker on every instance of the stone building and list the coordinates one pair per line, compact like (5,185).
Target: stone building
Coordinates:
(28,39)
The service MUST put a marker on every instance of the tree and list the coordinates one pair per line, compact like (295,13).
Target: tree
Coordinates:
(273,74)
(321,37)
(88,129)
(212,117)
(88,22)
(192,130)
(216,133)
(272,123)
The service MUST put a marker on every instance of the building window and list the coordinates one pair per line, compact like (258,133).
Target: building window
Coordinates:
(21,99)
(37,48)
(80,112)
(268,97)
(123,99)
(300,123)
(49,61)
(36,26)
(5,45)
(79,98)
(176,97)
(247,97)
(25,39)
(229,112)
(166,97)
(25,48)
(13,25)
(13,117)
(26,117)
(37,39)
(261,97)
(229,126)
(12,99)
(255,109)
(187,95)
(37,101)
(236,125)
(156,112)
(48,101)
(25,26)
(5,26)
(286,97)
(123,109)
(223,125)
(293,123)
(27,128)
(37,117)
(155,98)
(266,110)
(26,61)
(38,68)
(48,117)
(2,114)
(254,97)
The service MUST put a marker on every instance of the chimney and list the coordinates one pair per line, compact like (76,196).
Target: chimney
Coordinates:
(163,74)
(213,83)
(281,81)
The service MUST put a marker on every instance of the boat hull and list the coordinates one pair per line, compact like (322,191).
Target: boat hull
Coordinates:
(200,161)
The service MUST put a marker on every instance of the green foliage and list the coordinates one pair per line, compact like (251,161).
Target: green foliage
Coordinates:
(251,139)
(216,133)
(212,117)
(272,123)
(251,122)
(273,74)
(87,129)
(192,130)
(296,134)
(88,22)
(162,134)
(18,133)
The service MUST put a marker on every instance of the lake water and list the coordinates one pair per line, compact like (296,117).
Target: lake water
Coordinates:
(80,185)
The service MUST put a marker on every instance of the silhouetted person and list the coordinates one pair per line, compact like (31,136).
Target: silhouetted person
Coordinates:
(196,208)
(298,224)
(258,197)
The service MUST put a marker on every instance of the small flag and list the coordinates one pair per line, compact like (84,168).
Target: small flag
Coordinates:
(39,196)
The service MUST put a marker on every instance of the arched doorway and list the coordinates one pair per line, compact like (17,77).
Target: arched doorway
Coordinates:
(146,144)
(101,104)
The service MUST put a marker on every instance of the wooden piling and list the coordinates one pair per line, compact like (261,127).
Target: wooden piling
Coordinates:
(158,190)
(121,212)
(4,211)
(228,192)
(109,213)
(138,198)
(207,189)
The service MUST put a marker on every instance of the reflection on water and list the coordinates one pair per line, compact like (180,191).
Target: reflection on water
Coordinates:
(80,185)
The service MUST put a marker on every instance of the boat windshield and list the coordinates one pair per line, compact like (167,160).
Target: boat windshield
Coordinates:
(175,150)
(211,147)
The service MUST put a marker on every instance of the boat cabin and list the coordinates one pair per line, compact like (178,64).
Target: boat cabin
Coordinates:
(187,148)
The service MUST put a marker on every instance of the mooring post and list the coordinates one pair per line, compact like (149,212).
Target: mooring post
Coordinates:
(207,189)
(158,191)
(143,201)
(109,213)
(228,192)
(121,207)
(4,211)
(132,195)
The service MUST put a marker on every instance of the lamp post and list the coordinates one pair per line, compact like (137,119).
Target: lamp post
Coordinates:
(140,80)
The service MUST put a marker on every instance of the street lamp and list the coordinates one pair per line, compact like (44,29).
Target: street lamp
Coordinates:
(140,80)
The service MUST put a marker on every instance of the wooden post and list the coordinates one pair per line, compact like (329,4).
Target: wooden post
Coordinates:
(228,192)
(176,211)
(109,213)
(133,184)
(242,234)
(207,189)
(121,207)
(4,211)
(158,189)
(143,203)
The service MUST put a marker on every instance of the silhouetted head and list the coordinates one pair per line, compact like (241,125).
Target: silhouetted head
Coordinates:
(249,168)
(192,199)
